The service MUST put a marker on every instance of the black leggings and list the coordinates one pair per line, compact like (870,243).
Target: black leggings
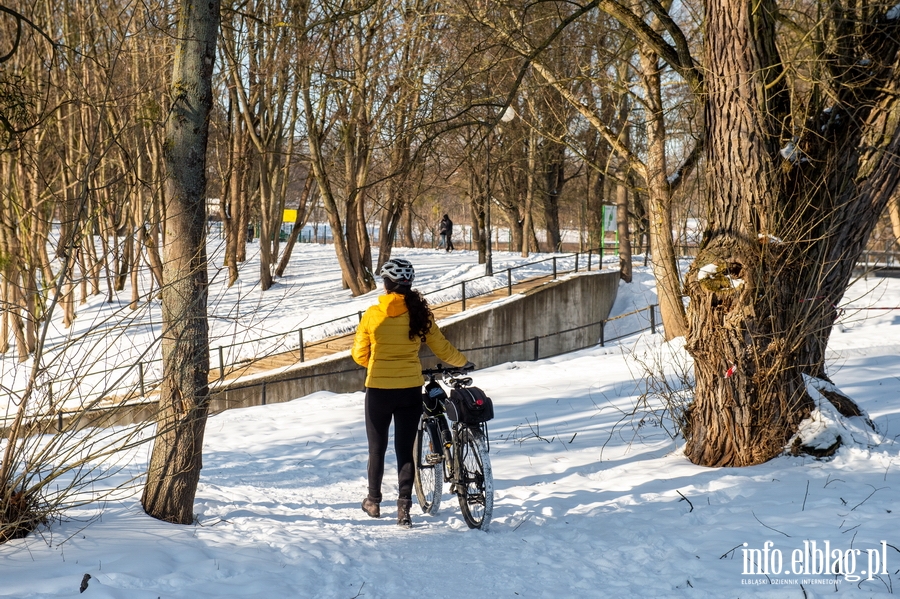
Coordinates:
(405,407)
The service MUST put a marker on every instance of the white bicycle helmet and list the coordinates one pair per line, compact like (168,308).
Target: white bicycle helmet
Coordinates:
(399,271)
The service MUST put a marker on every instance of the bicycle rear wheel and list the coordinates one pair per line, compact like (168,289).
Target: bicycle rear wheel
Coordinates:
(428,457)
(476,491)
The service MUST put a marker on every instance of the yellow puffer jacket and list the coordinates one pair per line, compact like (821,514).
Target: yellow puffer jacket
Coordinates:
(383,346)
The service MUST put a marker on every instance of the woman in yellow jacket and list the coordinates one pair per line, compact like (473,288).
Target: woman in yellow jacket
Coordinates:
(387,344)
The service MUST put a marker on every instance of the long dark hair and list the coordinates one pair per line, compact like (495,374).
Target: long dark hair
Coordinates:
(420,315)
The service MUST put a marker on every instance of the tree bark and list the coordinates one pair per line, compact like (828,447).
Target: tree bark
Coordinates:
(235,211)
(625,270)
(665,264)
(894,212)
(749,393)
(531,161)
(791,202)
(554,179)
(177,452)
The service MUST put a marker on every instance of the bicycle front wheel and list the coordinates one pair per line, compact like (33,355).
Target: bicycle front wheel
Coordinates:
(476,491)
(428,457)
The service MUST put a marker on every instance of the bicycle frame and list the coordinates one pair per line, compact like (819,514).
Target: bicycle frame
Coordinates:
(457,454)
(440,428)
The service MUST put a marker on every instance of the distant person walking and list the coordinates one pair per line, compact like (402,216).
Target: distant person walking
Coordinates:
(446,230)
(387,343)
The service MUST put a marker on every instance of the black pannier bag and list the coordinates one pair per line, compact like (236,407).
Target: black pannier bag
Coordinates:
(469,405)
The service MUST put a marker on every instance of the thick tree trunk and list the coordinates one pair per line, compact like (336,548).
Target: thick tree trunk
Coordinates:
(390,219)
(408,239)
(788,219)
(177,452)
(514,225)
(749,392)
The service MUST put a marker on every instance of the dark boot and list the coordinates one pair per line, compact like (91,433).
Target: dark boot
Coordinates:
(371,507)
(403,505)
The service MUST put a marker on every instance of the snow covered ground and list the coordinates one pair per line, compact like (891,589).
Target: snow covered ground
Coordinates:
(590,501)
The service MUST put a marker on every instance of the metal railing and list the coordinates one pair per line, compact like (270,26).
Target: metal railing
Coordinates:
(587,261)
(226,356)
(652,325)
(885,263)
(134,376)
(468,289)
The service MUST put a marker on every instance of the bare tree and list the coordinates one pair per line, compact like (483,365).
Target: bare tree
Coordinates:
(262,77)
(661,181)
(416,34)
(54,460)
(362,75)
(799,149)
(339,97)
(234,172)
(176,460)
(795,185)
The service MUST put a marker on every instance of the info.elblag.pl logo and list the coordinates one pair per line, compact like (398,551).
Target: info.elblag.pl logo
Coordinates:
(815,559)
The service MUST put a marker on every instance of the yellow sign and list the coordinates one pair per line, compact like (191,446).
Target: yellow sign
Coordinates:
(289,216)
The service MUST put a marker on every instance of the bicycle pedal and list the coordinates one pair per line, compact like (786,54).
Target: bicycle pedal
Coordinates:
(433,459)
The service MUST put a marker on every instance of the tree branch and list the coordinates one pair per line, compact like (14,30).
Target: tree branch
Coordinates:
(19,17)
(679,59)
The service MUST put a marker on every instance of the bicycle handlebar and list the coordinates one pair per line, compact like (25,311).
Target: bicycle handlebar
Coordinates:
(440,369)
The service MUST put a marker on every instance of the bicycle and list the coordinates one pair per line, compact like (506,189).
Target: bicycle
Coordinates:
(456,454)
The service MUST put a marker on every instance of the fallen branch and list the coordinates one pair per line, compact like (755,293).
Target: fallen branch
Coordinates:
(686,499)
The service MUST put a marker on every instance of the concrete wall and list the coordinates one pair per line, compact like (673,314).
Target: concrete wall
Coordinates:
(488,335)
(507,332)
